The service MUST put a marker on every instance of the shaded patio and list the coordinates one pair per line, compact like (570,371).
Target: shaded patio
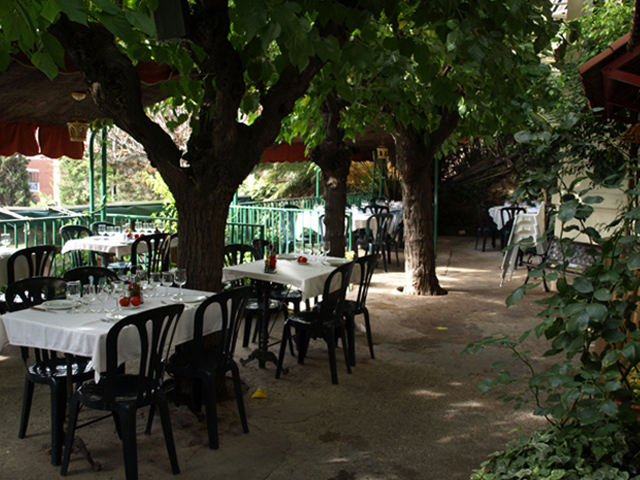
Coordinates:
(415,412)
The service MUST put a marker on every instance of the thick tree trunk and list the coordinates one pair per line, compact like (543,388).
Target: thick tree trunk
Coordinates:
(416,163)
(334,158)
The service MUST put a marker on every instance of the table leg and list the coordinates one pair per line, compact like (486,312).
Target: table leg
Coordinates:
(262,353)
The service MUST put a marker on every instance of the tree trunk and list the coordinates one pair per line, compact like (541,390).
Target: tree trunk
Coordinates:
(416,163)
(334,158)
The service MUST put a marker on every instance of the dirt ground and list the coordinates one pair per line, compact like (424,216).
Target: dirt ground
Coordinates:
(413,412)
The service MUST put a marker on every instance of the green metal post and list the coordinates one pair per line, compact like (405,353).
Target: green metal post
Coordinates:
(317,182)
(103,210)
(92,200)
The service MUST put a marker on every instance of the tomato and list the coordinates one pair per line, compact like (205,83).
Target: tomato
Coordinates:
(124,302)
(302,259)
(135,301)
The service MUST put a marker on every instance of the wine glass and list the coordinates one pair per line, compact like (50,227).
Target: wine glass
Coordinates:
(180,278)
(102,230)
(5,239)
(167,281)
(110,231)
(89,296)
(155,279)
(73,293)
(117,292)
(326,247)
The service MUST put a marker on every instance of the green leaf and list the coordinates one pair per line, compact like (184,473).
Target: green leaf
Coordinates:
(46,64)
(76,10)
(634,261)
(583,285)
(597,311)
(609,407)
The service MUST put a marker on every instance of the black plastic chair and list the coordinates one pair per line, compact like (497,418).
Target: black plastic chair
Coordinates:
(123,394)
(376,235)
(48,368)
(38,261)
(81,258)
(486,227)
(151,252)
(237,254)
(209,366)
(507,215)
(90,275)
(359,306)
(324,320)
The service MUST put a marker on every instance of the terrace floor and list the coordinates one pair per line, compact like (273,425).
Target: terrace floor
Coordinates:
(415,412)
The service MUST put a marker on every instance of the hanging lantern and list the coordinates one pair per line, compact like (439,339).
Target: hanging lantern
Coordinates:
(382,152)
(78,126)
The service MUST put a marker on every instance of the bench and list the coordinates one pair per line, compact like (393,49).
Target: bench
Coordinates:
(573,259)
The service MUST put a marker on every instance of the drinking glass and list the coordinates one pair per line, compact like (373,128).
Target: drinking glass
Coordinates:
(110,231)
(167,281)
(104,293)
(73,293)
(117,292)
(89,297)
(102,230)
(326,247)
(155,279)
(5,239)
(181,279)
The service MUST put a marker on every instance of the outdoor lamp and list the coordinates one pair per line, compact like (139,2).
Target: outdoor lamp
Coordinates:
(382,152)
(78,126)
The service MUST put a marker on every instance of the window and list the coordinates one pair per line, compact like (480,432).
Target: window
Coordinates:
(34,180)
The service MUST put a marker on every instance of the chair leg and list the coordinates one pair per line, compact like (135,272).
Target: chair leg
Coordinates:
(26,407)
(247,330)
(58,412)
(209,392)
(237,387)
(129,443)
(329,338)
(345,349)
(71,430)
(350,325)
(367,324)
(163,408)
(286,333)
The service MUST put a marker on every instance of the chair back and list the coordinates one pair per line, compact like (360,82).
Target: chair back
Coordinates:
(151,252)
(237,254)
(367,266)
(334,292)
(79,258)
(30,292)
(94,226)
(508,214)
(378,228)
(153,331)
(34,261)
(484,219)
(90,275)
(230,304)
(375,208)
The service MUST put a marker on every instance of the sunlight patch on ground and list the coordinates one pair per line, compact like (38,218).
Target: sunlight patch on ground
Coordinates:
(3,357)
(427,393)
(469,404)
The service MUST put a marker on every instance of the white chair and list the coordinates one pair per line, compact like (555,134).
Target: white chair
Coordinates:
(526,226)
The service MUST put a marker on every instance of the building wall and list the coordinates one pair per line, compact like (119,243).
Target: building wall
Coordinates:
(43,169)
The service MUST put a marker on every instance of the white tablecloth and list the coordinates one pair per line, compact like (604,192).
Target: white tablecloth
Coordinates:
(115,245)
(5,253)
(309,277)
(85,334)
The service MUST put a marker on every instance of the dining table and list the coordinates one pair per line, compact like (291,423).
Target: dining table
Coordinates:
(54,326)
(117,245)
(308,276)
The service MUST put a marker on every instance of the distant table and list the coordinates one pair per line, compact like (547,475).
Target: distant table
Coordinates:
(5,253)
(309,277)
(115,245)
(496,212)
